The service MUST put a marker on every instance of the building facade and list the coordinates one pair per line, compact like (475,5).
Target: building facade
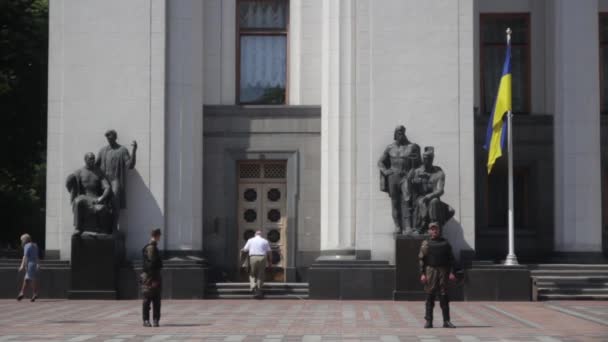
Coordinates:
(272,114)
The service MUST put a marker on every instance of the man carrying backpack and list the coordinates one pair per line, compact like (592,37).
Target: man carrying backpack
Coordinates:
(151,279)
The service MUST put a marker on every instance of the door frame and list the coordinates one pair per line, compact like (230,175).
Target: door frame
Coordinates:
(231,159)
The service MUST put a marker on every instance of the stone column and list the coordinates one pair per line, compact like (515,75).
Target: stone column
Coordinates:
(577,126)
(106,70)
(184,206)
(337,128)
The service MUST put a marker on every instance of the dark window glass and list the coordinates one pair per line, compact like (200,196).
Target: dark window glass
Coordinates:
(262,45)
(492,50)
(498,196)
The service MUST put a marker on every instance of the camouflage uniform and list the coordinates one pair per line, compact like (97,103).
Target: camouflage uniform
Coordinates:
(151,281)
(436,262)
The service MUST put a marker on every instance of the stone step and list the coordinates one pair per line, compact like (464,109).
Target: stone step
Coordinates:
(571,279)
(173,263)
(561,290)
(349,261)
(272,290)
(268,285)
(42,261)
(573,297)
(247,291)
(45,265)
(570,287)
(568,266)
(250,296)
(557,273)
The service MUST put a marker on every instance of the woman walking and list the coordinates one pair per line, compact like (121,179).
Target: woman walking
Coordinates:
(31,266)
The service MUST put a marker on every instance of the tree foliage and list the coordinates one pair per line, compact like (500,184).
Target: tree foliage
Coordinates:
(23,117)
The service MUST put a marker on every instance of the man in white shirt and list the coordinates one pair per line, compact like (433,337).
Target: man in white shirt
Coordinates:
(259,252)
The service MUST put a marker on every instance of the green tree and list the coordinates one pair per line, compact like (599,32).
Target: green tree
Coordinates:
(23,117)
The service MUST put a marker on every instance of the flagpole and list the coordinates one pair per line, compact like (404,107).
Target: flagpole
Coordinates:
(511,258)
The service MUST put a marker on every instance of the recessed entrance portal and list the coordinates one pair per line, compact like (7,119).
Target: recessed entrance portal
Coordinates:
(262,205)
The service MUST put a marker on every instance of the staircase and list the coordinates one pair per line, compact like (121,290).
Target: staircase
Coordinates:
(271,291)
(45,264)
(175,263)
(569,281)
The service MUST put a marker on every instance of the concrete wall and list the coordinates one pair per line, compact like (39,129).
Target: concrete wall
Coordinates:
(106,70)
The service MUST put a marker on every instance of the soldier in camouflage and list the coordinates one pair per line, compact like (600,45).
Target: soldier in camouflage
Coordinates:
(151,279)
(436,264)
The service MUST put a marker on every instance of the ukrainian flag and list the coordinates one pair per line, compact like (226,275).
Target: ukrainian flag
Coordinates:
(497,127)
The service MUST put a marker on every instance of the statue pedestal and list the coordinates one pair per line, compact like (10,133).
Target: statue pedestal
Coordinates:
(93,267)
(407,274)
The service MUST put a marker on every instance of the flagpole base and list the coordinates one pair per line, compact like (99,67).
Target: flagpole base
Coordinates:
(511,260)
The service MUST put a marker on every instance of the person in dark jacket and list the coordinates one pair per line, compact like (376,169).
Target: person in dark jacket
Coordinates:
(151,279)
(436,269)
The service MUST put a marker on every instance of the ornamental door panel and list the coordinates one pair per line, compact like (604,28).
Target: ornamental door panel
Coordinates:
(273,225)
(262,205)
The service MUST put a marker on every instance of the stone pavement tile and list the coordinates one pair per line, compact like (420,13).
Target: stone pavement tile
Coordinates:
(301,321)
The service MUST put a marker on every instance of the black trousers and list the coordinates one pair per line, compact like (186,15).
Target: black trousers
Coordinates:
(444,302)
(155,300)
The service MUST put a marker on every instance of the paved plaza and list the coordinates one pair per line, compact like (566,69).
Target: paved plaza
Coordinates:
(304,320)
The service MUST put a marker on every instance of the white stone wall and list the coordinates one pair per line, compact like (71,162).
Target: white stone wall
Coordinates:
(219,51)
(305,52)
(106,70)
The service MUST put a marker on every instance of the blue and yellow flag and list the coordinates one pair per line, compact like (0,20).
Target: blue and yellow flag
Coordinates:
(497,127)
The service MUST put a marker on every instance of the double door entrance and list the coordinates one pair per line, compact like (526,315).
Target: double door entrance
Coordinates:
(262,205)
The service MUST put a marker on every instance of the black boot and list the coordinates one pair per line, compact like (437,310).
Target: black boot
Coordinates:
(445,310)
(428,315)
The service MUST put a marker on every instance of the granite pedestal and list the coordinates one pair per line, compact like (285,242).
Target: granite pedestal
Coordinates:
(93,267)
(498,283)
(346,277)
(407,270)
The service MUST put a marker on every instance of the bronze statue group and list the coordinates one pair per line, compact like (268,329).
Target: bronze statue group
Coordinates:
(98,189)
